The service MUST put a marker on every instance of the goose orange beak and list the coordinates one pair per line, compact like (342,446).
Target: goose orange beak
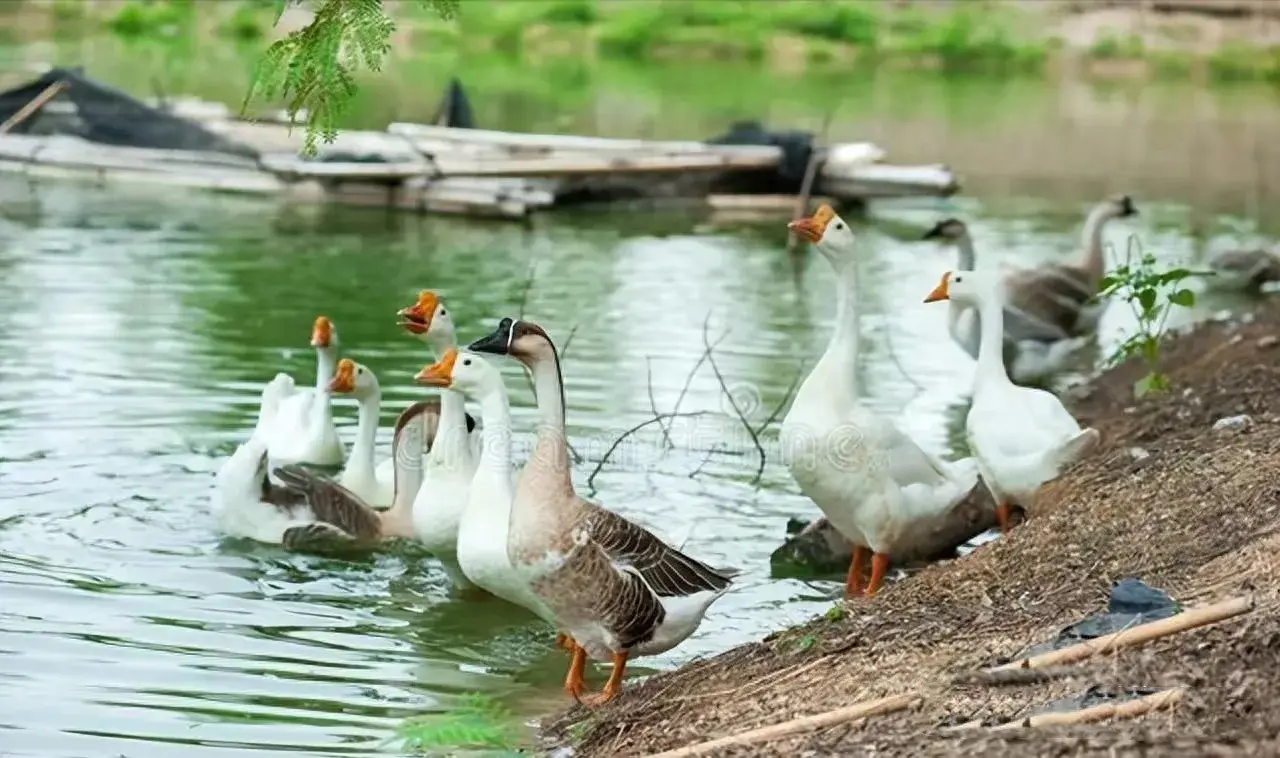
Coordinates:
(344,378)
(440,373)
(416,319)
(941,291)
(321,332)
(813,227)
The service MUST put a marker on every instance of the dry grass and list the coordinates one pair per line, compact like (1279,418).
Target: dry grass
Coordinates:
(1198,517)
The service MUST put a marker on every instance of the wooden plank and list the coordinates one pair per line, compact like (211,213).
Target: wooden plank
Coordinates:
(783,204)
(604,166)
(1101,712)
(68,150)
(885,180)
(518,141)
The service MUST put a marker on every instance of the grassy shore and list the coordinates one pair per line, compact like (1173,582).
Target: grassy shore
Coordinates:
(999,38)
(1169,498)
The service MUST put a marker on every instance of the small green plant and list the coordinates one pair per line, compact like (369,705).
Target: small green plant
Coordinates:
(804,643)
(1151,294)
(313,68)
(478,721)
(834,613)
(1112,48)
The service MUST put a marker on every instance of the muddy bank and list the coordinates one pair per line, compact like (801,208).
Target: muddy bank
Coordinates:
(1167,499)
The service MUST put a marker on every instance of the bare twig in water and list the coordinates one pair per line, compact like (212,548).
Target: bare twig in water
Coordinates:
(786,399)
(527,286)
(893,356)
(653,404)
(751,432)
(568,341)
(622,437)
(710,452)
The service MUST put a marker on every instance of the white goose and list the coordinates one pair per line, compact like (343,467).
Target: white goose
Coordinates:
(617,589)
(451,463)
(873,482)
(486,521)
(302,430)
(374,485)
(312,510)
(1021,436)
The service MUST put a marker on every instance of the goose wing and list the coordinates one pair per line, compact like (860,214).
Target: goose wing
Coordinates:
(667,570)
(1054,295)
(332,503)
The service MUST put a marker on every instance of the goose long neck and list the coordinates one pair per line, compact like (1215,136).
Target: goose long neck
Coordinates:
(406,457)
(495,411)
(549,466)
(1094,262)
(452,442)
(367,409)
(841,356)
(326,364)
(991,366)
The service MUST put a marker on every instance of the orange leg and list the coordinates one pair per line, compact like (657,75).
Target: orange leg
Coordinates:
(1002,516)
(853,584)
(574,682)
(879,565)
(565,642)
(611,687)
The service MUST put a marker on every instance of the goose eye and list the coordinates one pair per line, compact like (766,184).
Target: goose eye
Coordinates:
(839,225)
(443,312)
(467,362)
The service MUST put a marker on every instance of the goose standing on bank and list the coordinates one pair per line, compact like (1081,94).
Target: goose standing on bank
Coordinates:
(302,430)
(612,586)
(1021,436)
(873,482)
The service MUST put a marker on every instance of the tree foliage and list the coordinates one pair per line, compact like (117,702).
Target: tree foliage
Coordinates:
(313,68)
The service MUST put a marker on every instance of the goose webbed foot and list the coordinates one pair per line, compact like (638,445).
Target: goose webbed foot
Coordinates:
(612,687)
(853,583)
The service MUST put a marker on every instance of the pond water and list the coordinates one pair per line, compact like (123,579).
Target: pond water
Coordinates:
(138,327)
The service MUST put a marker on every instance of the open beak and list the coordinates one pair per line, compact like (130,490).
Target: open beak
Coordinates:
(940,292)
(813,227)
(344,378)
(497,343)
(440,373)
(321,332)
(416,319)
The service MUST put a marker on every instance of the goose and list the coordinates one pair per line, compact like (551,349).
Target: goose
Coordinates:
(1244,270)
(872,481)
(373,485)
(302,430)
(1021,436)
(615,589)
(1049,310)
(481,552)
(311,510)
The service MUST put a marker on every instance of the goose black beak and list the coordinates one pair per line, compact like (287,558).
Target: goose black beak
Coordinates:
(496,343)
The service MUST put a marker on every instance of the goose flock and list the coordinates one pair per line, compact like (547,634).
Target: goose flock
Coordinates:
(611,588)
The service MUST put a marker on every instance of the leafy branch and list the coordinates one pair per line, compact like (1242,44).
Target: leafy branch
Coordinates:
(313,68)
(1151,295)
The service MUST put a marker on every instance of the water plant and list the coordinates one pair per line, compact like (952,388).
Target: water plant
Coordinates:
(1151,293)
(477,721)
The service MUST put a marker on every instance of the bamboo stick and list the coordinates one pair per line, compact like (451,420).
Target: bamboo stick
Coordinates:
(1101,712)
(33,105)
(795,726)
(1135,636)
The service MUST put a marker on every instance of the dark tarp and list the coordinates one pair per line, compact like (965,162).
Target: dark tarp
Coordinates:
(107,115)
